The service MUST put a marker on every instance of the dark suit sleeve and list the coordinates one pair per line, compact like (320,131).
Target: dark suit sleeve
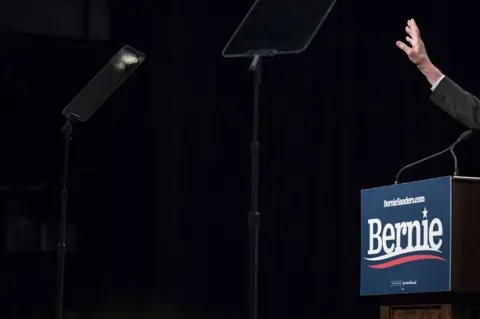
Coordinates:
(457,102)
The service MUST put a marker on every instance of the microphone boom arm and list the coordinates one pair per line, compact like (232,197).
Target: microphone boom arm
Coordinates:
(462,137)
(419,162)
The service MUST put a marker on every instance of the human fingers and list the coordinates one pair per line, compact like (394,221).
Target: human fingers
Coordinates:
(410,40)
(409,31)
(414,36)
(413,27)
(405,48)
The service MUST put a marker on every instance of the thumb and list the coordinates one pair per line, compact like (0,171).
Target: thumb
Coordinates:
(405,48)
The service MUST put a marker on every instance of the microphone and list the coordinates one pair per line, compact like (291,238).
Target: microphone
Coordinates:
(463,136)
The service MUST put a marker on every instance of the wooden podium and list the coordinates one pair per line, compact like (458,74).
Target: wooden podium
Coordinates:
(434,276)
(419,311)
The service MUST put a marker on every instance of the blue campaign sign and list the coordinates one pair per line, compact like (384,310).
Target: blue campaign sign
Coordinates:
(405,244)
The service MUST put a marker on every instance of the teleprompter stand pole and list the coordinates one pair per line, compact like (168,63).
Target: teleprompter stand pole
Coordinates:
(254,215)
(266,17)
(62,245)
(80,109)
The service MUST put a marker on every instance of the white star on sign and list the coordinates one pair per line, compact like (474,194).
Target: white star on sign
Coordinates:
(425,212)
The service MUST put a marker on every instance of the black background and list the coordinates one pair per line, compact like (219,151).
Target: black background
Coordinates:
(159,183)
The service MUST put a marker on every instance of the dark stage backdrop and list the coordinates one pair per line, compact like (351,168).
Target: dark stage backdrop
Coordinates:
(160,175)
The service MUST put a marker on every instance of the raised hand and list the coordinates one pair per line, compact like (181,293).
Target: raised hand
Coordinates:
(416,52)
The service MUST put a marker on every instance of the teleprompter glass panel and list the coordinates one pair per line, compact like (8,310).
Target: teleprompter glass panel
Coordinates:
(278,27)
(99,89)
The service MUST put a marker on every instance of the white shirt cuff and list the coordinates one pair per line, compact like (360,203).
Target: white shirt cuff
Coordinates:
(434,86)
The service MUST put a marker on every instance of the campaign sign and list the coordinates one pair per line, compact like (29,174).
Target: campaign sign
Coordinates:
(406,241)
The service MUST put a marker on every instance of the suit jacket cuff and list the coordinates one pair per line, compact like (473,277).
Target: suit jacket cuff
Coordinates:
(439,94)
